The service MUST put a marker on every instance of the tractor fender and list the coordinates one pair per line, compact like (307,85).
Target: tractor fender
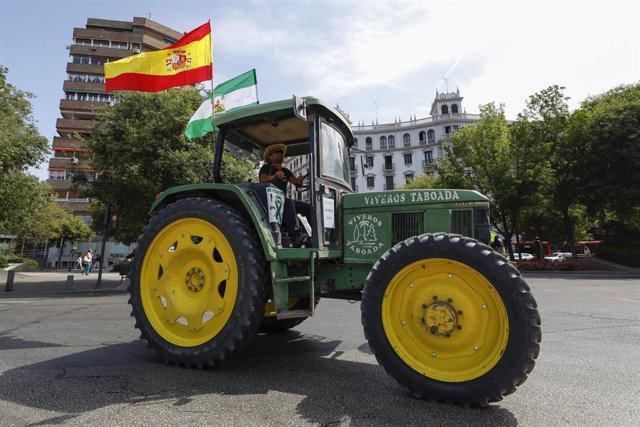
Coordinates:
(230,194)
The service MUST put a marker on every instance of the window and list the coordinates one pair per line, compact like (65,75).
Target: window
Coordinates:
(455,128)
(354,187)
(80,59)
(371,180)
(422,136)
(392,141)
(56,175)
(388,162)
(120,45)
(389,183)
(355,142)
(334,160)
(431,135)
(101,43)
(408,178)
(352,163)
(383,142)
(406,139)
(368,144)
(447,130)
(370,161)
(83,42)
(454,109)
(445,109)
(408,159)
(428,156)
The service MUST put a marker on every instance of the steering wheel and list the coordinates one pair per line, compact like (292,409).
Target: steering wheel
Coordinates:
(303,188)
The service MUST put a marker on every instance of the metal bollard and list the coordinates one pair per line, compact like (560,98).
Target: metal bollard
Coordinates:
(69,286)
(10,276)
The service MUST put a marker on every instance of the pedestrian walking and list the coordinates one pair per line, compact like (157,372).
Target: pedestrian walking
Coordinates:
(87,261)
(537,247)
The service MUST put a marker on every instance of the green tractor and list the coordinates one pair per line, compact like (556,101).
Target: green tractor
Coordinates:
(449,318)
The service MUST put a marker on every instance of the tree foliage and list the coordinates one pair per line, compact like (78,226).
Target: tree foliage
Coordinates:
(140,148)
(488,157)
(25,202)
(20,143)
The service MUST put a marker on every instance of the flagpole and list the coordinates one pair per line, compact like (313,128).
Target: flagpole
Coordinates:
(213,105)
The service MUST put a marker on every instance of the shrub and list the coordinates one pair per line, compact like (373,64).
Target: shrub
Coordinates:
(534,265)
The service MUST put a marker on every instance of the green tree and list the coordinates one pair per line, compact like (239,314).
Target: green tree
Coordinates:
(140,146)
(488,158)
(68,227)
(423,181)
(20,143)
(24,201)
(553,129)
(610,126)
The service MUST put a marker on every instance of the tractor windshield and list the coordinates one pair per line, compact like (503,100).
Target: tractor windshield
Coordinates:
(334,161)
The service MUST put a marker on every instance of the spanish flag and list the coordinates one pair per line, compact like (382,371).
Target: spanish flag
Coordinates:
(186,62)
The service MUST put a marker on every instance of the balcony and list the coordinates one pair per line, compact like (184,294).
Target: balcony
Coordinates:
(389,187)
(69,86)
(105,52)
(388,169)
(68,142)
(71,124)
(64,163)
(428,166)
(353,169)
(84,68)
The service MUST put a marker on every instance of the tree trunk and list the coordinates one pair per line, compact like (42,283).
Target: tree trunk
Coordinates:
(568,230)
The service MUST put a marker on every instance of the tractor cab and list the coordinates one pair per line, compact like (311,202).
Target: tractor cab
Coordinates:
(307,127)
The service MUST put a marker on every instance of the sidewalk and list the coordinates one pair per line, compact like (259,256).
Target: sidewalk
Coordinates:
(35,284)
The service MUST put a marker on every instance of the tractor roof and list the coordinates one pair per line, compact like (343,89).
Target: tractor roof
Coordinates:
(259,126)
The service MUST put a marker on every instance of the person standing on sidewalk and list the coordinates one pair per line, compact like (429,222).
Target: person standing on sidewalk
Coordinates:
(87,260)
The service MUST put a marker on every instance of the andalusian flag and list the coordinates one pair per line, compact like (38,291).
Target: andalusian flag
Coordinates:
(238,92)
(186,62)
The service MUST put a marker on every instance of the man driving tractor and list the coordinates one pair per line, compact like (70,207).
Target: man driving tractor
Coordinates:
(273,171)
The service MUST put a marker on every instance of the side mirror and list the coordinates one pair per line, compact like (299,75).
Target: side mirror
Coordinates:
(300,108)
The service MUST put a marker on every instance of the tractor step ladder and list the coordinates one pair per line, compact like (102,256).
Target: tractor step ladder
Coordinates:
(281,289)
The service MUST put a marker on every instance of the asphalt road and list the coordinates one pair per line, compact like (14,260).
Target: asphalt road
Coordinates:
(75,358)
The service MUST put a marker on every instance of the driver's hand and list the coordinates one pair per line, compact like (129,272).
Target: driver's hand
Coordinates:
(299,180)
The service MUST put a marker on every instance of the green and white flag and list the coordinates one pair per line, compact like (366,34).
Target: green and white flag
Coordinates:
(238,92)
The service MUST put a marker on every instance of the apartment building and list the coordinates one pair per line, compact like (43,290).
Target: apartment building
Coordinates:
(101,41)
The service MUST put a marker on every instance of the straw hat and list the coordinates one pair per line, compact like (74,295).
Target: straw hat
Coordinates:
(272,148)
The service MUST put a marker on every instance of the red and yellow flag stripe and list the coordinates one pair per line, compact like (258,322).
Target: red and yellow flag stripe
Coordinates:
(186,62)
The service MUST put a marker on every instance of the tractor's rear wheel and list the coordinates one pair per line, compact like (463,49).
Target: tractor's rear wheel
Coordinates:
(451,320)
(198,282)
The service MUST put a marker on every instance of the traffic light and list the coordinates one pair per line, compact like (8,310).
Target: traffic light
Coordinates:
(114,221)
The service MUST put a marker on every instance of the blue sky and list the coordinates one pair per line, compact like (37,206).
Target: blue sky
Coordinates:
(375,58)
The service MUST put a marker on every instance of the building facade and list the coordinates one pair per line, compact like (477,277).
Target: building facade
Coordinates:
(101,41)
(392,154)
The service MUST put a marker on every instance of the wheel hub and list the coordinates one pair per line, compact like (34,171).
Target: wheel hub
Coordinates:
(195,279)
(440,318)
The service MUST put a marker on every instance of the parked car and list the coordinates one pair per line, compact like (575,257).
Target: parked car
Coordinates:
(523,256)
(558,256)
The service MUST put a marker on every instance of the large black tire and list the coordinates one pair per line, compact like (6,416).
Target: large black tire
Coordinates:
(451,320)
(271,325)
(200,299)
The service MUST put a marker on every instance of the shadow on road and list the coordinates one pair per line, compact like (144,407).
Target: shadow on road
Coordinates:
(333,390)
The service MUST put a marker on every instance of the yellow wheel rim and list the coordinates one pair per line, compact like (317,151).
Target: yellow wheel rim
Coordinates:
(189,282)
(445,320)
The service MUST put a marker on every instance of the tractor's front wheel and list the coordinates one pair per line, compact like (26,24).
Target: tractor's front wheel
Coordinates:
(451,320)
(198,282)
